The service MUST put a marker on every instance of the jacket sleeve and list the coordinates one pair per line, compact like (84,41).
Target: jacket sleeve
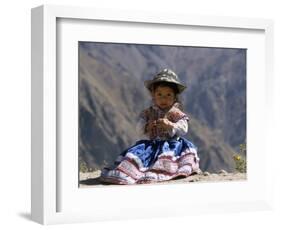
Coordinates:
(141,123)
(141,126)
(180,128)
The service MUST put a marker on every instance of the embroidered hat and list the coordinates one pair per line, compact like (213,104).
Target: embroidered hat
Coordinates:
(166,75)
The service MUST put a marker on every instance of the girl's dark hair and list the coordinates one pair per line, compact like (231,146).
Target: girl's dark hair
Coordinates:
(165,84)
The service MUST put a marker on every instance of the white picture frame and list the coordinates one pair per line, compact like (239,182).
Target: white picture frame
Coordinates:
(56,197)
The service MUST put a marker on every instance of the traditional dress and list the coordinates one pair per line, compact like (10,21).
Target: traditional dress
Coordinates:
(165,155)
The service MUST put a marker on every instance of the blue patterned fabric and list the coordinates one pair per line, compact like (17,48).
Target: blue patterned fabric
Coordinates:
(149,150)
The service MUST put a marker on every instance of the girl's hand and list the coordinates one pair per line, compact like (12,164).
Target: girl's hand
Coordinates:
(165,123)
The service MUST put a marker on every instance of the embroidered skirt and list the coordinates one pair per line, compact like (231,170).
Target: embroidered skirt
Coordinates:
(152,161)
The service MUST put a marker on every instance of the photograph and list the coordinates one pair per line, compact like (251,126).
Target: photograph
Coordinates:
(159,114)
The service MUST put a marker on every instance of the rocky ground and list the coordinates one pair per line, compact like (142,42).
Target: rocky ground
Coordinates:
(90,179)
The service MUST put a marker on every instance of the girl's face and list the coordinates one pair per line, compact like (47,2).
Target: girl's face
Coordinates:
(164,97)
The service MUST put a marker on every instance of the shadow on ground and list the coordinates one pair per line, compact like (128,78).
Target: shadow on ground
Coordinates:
(93,181)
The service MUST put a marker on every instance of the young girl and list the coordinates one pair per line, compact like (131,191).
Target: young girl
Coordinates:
(164,154)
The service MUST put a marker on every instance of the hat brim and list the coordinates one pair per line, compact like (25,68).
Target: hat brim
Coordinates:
(149,83)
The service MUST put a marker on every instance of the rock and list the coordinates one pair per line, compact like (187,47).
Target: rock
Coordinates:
(194,180)
(223,172)
(206,173)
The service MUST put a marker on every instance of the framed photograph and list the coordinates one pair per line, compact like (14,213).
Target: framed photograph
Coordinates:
(99,152)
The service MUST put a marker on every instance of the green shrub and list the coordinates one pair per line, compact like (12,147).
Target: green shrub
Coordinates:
(240,159)
(83,167)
